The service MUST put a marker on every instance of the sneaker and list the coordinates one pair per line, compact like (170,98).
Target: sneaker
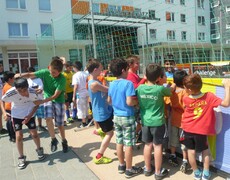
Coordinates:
(197,176)
(22,162)
(184,167)
(121,169)
(70,120)
(54,144)
(150,172)
(99,132)
(83,125)
(204,177)
(173,160)
(40,153)
(133,172)
(3,131)
(164,172)
(65,146)
(102,160)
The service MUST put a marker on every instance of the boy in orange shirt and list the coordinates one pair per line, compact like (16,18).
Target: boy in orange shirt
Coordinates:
(177,110)
(9,79)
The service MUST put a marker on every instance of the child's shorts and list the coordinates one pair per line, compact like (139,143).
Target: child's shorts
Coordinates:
(194,141)
(156,134)
(175,137)
(40,112)
(125,130)
(106,125)
(17,123)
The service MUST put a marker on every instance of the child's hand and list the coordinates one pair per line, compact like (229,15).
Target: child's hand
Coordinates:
(226,82)
(38,102)
(26,120)
(6,116)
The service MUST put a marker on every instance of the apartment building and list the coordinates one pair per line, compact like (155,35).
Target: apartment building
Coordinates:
(21,22)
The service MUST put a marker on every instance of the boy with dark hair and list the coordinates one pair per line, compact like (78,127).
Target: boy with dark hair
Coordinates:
(121,96)
(22,112)
(177,109)
(198,121)
(102,112)
(154,130)
(54,103)
(8,77)
(80,92)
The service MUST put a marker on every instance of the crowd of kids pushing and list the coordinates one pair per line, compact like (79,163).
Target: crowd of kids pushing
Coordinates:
(129,105)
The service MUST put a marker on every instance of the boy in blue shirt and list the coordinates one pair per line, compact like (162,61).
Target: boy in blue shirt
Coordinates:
(121,95)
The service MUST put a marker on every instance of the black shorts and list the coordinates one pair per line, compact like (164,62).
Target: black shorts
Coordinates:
(69,97)
(194,141)
(156,135)
(106,125)
(17,123)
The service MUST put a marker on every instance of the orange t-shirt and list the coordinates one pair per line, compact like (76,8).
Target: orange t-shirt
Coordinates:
(177,108)
(5,88)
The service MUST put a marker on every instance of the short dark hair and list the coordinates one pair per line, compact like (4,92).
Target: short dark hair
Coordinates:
(21,83)
(178,77)
(30,69)
(78,65)
(68,64)
(92,64)
(154,71)
(8,75)
(193,82)
(117,65)
(56,64)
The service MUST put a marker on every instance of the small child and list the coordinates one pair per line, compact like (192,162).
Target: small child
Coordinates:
(151,102)
(177,110)
(198,121)
(122,97)
(102,112)
(9,81)
(22,112)
(80,92)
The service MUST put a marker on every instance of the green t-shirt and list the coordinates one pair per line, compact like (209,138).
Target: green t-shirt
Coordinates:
(51,84)
(151,102)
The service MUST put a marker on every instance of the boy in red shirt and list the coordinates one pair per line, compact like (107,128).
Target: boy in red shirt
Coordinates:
(198,120)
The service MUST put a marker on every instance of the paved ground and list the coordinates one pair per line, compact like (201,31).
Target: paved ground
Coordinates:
(76,164)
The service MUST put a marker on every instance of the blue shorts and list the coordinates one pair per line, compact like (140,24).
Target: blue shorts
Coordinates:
(55,110)
(40,112)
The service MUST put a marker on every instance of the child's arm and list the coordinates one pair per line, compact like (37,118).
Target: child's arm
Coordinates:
(25,75)
(131,100)
(98,87)
(56,94)
(74,92)
(226,100)
(109,100)
(30,115)
(4,114)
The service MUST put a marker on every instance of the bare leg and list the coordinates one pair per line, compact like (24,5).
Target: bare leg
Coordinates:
(206,159)
(192,158)
(147,155)
(35,137)
(105,142)
(129,156)
(19,142)
(50,125)
(120,153)
(62,132)
(158,157)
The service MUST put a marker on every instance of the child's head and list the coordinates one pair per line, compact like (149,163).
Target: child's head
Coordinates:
(21,84)
(118,66)
(8,76)
(178,77)
(154,72)
(68,66)
(193,83)
(133,62)
(94,65)
(77,65)
(55,66)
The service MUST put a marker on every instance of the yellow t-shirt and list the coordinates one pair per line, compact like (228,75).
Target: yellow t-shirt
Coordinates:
(68,77)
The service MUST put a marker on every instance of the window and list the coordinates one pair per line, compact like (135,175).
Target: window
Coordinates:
(46,29)
(201,20)
(201,36)
(152,14)
(169,1)
(44,5)
(17,29)
(96,8)
(16,4)
(182,2)
(228,41)
(183,35)
(153,33)
(200,4)
(170,35)
(228,26)
(215,36)
(215,4)
(227,8)
(183,18)
(169,16)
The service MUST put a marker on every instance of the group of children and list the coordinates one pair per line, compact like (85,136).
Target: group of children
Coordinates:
(115,108)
